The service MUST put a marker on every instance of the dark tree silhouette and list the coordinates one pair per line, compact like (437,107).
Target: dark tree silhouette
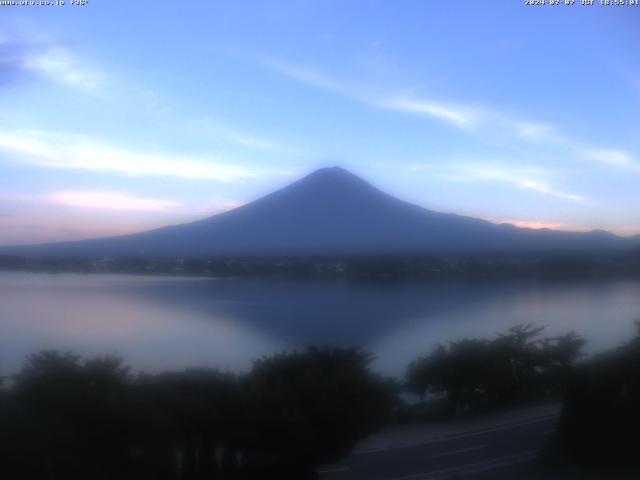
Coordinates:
(310,408)
(474,373)
(600,420)
(185,423)
(65,418)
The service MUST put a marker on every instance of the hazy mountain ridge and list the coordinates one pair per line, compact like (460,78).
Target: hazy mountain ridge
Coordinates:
(331,212)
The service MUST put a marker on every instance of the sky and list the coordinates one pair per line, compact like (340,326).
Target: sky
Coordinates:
(119,116)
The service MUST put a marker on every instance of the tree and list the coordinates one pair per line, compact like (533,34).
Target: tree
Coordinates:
(309,408)
(600,417)
(472,373)
(182,420)
(67,418)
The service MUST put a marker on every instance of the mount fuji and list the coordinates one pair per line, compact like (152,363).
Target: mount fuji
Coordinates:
(330,212)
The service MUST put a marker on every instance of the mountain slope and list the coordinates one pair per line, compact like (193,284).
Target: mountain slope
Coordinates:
(330,211)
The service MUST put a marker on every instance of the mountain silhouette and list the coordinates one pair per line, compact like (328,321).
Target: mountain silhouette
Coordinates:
(330,212)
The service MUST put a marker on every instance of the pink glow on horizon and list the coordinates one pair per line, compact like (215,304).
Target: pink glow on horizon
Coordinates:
(539,225)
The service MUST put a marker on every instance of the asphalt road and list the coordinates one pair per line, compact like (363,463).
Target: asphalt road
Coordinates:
(498,450)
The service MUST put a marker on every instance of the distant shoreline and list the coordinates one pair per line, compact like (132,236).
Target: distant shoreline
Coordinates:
(384,268)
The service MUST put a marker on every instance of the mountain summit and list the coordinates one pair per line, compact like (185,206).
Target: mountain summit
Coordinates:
(329,212)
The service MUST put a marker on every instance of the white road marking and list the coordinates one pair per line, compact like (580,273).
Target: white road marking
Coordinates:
(455,452)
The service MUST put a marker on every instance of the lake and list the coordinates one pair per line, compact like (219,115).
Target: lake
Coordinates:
(168,323)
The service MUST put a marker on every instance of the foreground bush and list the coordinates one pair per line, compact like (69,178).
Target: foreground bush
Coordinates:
(601,416)
(476,373)
(64,418)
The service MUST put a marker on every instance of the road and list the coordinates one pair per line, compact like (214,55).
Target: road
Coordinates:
(500,447)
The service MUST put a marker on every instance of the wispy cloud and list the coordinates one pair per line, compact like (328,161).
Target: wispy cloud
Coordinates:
(123,201)
(111,201)
(50,62)
(210,127)
(303,74)
(488,124)
(533,131)
(532,178)
(258,143)
(57,150)
(499,128)
(60,65)
(20,61)
(75,223)
(78,214)
(400,102)
(612,157)
(548,134)
(459,116)
(528,178)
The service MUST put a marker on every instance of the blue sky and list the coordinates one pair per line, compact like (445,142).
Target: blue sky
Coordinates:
(121,116)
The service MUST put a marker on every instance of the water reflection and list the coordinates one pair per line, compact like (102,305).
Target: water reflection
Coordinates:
(105,314)
(168,323)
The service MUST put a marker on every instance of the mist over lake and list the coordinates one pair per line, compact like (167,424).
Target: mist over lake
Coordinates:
(169,323)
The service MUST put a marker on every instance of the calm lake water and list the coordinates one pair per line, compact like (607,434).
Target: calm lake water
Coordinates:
(168,323)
